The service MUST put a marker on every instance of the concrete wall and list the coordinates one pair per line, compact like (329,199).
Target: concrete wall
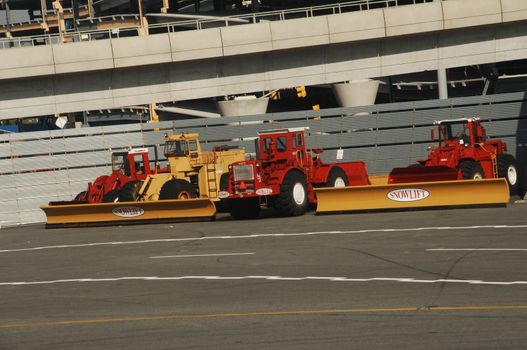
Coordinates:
(38,167)
(262,71)
(260,37)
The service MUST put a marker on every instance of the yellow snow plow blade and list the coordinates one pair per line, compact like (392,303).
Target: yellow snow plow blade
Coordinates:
(488,192)
(106,214)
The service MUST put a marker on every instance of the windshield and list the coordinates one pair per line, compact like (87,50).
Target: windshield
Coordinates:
(453,131)
(281,144)
(180,148)
(175,148)
(120,163)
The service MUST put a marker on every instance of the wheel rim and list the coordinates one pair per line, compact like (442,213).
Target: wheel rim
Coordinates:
(477,176)
(512,175)
(183,195)
(299,194)
(339,182)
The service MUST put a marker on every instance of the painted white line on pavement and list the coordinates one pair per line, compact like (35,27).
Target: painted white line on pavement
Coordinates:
(268,278)
(265,235)
(198,255)
(477,249)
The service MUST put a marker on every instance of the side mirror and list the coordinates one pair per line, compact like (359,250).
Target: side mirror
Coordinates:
(432,134)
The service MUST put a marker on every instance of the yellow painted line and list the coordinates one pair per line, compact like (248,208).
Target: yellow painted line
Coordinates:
(259,314)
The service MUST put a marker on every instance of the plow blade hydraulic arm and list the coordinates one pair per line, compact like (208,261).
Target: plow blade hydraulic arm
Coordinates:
(106,214)
(488,192)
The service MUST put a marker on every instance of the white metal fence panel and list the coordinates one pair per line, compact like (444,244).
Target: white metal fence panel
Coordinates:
(38,167)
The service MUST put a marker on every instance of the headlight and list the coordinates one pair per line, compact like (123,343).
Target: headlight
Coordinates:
(243,172)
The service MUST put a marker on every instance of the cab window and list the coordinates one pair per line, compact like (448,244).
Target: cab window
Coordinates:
(297,140)
(138,163)
(281,144)
(120,163)
(193,145)
(266,144)
(175,148)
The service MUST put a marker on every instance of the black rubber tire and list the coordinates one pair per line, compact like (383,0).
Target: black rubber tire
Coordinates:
(222,206)
(244,209)
(130,191)
(471,170)
(224,181)
(177,189)
(335,174)
(506,164)
(81,196)
(111,196)
(285,203)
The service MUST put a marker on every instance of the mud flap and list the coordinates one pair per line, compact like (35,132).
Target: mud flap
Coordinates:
(487,192)
(107,214)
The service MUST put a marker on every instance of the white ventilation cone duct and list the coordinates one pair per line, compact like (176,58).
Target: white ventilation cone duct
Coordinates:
(243,105)
(356,92)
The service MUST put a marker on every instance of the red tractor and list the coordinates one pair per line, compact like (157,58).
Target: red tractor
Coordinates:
(283,176)
(464,152)
(128,169)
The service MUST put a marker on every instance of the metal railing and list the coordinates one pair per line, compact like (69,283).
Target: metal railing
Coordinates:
(203,23)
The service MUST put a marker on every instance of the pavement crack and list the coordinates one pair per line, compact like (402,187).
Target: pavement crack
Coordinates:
(448,275)
(413,268)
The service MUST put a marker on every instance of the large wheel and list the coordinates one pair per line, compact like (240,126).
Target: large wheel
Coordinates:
(222,206)
(508,169)
(177,189)
(337,178)
(224,181)
(242,209)
(81,196)
(130,191)
(293,197)
(471,170)
(111,196)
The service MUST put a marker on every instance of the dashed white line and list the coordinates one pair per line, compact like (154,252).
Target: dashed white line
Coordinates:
(268,278)
(264,235)
(477,249)
(198,255)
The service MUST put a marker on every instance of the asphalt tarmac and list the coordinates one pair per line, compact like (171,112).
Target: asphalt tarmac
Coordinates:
(451,279)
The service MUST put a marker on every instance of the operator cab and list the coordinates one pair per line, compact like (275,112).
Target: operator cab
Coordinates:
(182,146)
(131,163)
(282,144)
(458,131)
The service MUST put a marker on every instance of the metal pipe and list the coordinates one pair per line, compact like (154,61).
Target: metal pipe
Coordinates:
(8,19)
(189,111)
(186,16)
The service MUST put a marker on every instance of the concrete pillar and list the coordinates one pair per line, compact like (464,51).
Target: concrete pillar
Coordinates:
(91,13)
(356,92)
(442,83)
(243,105)
(43,12)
